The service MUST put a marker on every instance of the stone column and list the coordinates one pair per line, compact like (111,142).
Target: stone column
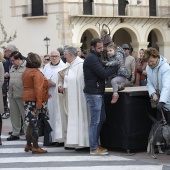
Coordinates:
(77,44)
(139,45)
(164,49)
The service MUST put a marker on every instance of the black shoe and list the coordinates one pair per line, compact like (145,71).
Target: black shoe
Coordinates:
(83,149)
(67,148)
(9,133)
(13,138)
(59,144)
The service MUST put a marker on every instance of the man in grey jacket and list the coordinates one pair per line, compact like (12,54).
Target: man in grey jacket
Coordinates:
(15,94)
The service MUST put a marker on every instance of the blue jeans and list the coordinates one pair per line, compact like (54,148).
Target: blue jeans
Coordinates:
(97,118)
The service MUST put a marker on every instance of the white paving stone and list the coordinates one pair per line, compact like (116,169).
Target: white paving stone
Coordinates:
(128,167)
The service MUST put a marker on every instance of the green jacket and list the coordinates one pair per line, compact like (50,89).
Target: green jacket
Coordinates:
(15,83)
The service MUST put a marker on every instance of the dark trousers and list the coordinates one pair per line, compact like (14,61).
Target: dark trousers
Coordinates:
(30,138)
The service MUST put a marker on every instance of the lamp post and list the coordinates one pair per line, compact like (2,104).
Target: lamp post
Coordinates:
(47,42)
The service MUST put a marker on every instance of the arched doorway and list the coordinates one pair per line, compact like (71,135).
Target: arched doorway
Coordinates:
(86,38)
(152,39)
(122,36)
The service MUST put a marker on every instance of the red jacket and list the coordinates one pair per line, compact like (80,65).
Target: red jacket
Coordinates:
(35,86)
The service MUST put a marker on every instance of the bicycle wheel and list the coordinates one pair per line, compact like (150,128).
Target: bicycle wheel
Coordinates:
(6,114)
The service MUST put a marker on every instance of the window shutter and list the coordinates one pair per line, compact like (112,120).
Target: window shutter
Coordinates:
(121,7)
(87,7)
(37,8)
(152,7)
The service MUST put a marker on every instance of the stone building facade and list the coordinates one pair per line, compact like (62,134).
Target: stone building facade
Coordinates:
(139,23)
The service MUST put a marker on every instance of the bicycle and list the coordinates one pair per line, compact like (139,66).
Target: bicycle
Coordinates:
(5,86)
(6,113)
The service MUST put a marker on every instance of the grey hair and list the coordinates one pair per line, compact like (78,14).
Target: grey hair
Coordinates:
(55,51)
(71,50)
(61,50)
(11,47)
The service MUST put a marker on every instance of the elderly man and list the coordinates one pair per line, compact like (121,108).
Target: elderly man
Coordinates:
(71,85)
(7,65)
(50,71)
(15,94)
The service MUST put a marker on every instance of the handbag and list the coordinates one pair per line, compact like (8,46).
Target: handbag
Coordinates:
(154,103)
(37,127)
(143,82)
(40,127)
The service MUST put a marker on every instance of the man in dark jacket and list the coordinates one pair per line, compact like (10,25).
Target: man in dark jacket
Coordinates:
(94,75)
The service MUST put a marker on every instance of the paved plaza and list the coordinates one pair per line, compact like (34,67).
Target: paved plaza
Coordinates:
(12,156)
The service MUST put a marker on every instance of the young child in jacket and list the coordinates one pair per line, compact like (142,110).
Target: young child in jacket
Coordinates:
(116,57)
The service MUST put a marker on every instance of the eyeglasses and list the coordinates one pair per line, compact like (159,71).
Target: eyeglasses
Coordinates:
(126,48)
(7,51)
(152,61)
(54,56)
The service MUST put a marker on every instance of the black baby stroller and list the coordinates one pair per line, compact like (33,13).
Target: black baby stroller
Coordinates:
(159,135)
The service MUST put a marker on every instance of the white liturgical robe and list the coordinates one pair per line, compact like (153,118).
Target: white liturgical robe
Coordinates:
(76,106)
(55,109)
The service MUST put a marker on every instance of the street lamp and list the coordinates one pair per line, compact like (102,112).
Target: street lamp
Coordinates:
(47,42)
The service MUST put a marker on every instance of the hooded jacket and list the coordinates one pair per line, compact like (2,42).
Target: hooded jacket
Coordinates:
(119,59)
(163,80)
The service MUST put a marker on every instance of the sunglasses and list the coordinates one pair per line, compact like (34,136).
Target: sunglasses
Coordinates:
(126,48)
(47,59)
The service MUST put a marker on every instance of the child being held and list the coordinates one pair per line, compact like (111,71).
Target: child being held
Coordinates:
(116,57)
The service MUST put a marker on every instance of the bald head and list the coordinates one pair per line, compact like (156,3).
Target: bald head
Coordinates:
(55,52)
(55,57)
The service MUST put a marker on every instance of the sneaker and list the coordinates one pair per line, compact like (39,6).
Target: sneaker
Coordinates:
(104,149)
(114,99)
(99,151)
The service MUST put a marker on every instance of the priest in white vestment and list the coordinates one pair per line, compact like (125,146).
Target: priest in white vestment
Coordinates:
(76,109)
(56,111)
